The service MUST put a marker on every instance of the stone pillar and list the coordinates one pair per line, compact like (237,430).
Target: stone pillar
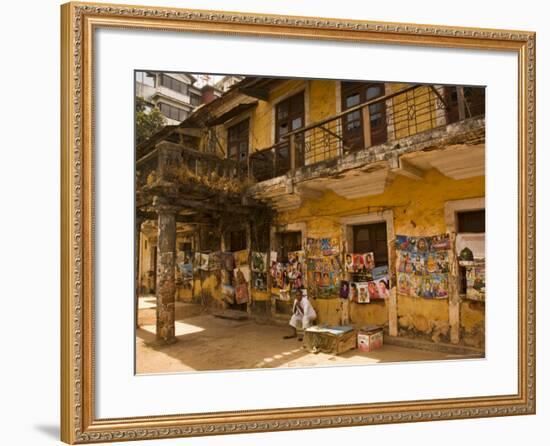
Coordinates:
(166,277)
(137,255)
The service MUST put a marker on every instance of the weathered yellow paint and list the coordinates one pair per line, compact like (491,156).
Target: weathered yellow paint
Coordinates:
(185,294)
(418,208)
(373,313)
(262,125)
(472,315)
(322,99)
(431,309)
(328,310)
(258,295)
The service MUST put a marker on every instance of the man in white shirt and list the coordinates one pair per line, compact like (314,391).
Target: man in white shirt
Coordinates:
(303,314)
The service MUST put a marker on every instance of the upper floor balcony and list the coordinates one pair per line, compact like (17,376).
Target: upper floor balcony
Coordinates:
(354,153)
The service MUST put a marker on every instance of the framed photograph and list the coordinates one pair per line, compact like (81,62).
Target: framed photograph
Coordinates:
(274,223)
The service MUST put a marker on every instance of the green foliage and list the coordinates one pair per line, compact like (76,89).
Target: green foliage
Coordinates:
(147,123)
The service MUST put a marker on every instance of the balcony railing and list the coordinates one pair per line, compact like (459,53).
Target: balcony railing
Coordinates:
(171,161)
(401,114)
(404,113)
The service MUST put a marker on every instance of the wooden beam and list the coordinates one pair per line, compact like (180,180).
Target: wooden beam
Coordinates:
(258,93)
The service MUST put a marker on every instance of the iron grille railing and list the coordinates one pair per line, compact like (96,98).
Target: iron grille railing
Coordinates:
(401,114)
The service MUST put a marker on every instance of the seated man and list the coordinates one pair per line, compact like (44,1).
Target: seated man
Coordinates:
(302,314)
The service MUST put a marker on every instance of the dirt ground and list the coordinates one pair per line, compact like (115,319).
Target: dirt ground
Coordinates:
(206,342)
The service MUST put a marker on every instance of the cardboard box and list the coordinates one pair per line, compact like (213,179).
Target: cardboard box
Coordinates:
(370,339)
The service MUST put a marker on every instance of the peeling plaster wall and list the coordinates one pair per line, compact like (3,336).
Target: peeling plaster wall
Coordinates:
(418,207)
(258,295)
(472,323)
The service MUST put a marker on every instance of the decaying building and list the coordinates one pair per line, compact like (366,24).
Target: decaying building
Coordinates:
(321,173)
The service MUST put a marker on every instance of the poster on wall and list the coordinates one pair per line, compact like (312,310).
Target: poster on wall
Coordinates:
(422,265)
(344,289)
(324,275)
(313,247)
(380,272)
(214,261)
(259,262)
(475,281)
(186,270)
(241,293)
(203,262)
(359,263)
(330,246)
(259,281)
(242,274)
(379,288)
(359,292)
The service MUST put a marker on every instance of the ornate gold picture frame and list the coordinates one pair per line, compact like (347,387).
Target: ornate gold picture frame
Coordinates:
(79,23)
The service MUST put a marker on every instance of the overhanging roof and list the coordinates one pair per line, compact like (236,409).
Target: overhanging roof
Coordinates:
(235,111)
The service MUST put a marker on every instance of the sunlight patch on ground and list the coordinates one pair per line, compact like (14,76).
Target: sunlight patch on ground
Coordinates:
(181,328)
(147,302)
(266,361)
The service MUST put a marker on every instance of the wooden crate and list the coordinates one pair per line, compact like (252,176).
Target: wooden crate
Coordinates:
(327,342)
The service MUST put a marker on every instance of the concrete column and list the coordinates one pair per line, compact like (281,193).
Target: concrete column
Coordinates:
(392,273)
(454,297)
(166,280)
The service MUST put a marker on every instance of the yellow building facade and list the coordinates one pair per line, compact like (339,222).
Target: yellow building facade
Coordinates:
(356,162)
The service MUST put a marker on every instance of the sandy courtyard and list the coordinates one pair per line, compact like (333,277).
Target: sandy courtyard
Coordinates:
(206,342)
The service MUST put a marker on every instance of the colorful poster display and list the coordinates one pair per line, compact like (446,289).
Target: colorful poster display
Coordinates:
(290,275)
(313,247)
(324,275)
(330,246)
(423,266)
(359,263)
(475,281)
